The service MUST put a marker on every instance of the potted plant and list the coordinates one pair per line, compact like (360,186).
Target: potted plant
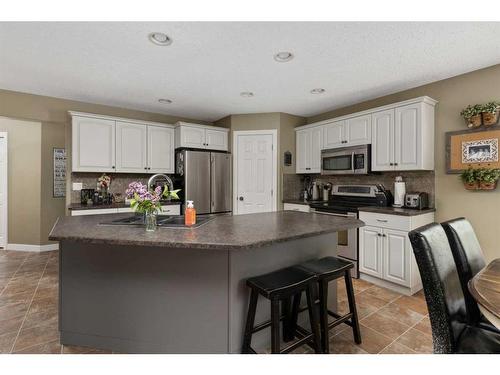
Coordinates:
(147,202)
(488,178)
(469,178)
(472,115)
(490,113)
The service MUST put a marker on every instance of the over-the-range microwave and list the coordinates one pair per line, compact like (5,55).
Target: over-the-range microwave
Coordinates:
(346,160)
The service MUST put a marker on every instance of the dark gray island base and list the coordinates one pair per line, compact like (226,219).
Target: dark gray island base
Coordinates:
(178,290)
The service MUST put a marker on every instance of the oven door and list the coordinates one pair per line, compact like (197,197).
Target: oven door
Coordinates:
(347,240)
(337,162)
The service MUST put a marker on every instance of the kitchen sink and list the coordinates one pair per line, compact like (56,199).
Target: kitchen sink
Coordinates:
(162,221)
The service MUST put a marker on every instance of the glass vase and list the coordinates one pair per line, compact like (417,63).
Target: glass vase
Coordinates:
(150,221)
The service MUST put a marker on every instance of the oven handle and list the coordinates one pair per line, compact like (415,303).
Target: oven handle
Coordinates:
(352,162)
(349,214)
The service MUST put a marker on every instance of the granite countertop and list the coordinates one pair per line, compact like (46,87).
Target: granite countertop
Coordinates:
(396,210)
(221,233)
(79,206)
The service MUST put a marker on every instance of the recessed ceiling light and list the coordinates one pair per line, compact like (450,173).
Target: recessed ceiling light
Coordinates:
(164,101)
(283,56)
(247,94)
(160,39)
(318,90)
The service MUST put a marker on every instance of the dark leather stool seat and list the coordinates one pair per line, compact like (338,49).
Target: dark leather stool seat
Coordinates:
(279,286)
(281,282)
(478,340)
(328,269)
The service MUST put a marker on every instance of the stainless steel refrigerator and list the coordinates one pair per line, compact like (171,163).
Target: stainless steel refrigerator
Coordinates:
(206,180)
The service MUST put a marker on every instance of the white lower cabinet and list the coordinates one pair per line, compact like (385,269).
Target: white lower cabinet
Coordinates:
(385,253)
(296,207)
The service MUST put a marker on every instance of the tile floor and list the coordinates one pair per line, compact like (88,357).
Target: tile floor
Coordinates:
(390,322)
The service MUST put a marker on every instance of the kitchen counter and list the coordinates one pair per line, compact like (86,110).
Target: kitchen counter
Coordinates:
(79,206)
(396,210)
(297,201)
(221,233)
(179,290)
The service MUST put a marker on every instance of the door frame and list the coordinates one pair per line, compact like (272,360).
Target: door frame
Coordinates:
(236,133)
(4,180)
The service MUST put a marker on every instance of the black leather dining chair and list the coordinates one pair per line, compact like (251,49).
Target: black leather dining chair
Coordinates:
(444,296)
(469,260)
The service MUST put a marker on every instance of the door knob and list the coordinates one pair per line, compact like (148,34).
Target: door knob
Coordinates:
(240,198)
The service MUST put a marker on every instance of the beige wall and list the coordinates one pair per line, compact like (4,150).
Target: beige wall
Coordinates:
(24,172)
(52,136)
(32,209)
(452,200)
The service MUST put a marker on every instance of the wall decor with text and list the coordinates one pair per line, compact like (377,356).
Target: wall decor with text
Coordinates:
(59,173)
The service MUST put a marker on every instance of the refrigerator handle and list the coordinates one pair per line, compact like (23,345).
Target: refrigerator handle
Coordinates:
(212,182)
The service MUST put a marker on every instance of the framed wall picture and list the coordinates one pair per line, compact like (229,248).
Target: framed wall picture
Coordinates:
(59,173)
(472,149)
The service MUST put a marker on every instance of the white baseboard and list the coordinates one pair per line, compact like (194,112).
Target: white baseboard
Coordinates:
(387,284)
(32,248)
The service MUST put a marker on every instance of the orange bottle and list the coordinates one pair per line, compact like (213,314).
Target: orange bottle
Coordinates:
(190,214)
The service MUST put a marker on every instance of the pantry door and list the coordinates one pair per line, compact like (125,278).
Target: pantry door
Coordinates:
(255,171)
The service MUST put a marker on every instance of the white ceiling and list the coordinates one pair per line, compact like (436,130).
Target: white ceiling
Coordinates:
(209,64)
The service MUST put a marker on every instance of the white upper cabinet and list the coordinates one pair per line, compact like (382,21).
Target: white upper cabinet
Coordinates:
(358,130)
(201,136)
(216,139)
(109,144)
(333,134)
(93,145)
(383,140)
(403,138)
(160,146)
(130,147)
(308,149)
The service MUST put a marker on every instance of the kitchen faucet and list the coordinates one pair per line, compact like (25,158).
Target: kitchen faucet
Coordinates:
(152,179)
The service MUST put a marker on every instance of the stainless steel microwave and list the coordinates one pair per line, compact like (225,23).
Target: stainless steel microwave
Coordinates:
(346,160)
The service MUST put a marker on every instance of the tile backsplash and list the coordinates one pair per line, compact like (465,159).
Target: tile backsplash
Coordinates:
(119,182)
(421,181)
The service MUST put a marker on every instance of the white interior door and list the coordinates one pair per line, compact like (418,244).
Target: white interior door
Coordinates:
(255,173)
(3,190)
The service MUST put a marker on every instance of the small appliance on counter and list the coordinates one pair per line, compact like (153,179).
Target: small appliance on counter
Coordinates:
(326,191)
(384,197)
(87,196)
(399,192)
(315,191)
(417,200)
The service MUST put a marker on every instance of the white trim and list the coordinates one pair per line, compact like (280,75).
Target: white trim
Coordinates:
(421,99)
(121,119)
(199,126)
(4,180)
(274,133)
(32,248)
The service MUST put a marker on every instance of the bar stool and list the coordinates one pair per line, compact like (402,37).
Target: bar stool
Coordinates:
(328,269)
(279,286)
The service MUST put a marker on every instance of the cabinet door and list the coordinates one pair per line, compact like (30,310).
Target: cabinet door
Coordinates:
(130,147)
(216,139)
(93,145)
(315,149)
(333,135)
(407,137)
(396,257)
(358,130)
(370,251)
(192,137)
(383,141)
(160,149)
(303,140)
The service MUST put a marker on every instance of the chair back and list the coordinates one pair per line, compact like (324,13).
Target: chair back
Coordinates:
(442,288)
(469,259)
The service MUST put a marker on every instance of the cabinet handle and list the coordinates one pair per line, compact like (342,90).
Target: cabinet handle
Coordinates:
(382,221)
(113,167)
(395,163)
(145,167)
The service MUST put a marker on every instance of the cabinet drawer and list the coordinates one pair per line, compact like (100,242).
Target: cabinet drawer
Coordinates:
(386,221)
(296,207)
(94,212)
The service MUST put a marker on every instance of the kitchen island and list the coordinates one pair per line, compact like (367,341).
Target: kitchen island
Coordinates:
(178,290)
